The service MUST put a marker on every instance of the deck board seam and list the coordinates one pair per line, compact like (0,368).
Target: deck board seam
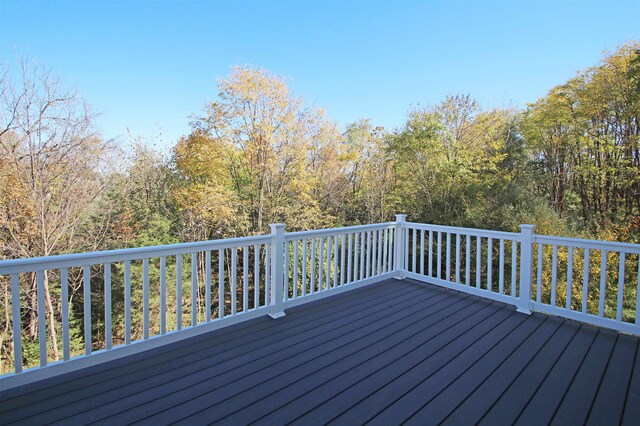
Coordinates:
(468,367)
(388,363)
(497,367)
(506,389)
(443,347)
(633,370)
(524,339)
(548,372)
(447,363)
(584,358)
(601,378)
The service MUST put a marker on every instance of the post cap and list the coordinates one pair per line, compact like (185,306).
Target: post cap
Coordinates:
(275,227)
(527,227)
(401,217)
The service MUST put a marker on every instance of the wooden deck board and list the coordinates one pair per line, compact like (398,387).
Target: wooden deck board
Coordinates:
(392,352)
(185,369)
(508,407)
(220,402)
(449,398)
(632,406)
(608,406)
(577,401)
(545,402)
(323,386)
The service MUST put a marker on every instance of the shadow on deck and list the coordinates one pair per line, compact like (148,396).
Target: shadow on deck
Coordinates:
(392,352)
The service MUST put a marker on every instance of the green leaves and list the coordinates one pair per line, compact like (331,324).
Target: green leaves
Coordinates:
(634,70)
(583,137)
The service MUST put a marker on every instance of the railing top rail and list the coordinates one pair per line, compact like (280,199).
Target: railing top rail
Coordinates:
(109,256)
(292,236)
(468,231)
(590,244)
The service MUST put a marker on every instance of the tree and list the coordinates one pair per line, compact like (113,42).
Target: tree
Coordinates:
(584,137)
(53,166)
(204,191)
(271,146)
(369,173)
(141,211)
(552,128)
(634,70)
(444,161)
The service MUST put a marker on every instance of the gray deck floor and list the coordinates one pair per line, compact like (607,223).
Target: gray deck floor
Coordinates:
(389,353)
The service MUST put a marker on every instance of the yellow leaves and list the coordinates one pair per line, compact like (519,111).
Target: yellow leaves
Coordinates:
(212,203)
(203,163)
(202,158)
(257,151)
(16,209)
(251,85)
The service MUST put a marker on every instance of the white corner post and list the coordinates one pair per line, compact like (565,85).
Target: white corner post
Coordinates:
(526,266)
(399,247)
(276,309)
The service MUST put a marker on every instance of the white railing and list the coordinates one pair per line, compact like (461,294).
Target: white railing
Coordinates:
(588,280)
(202,280)
(480,262)
(596,282)
(318,261)
(120,297)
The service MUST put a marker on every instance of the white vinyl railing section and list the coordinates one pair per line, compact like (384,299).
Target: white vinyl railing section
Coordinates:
(480,262)
(120,298)
(587,280)
(596,282)
(317,261)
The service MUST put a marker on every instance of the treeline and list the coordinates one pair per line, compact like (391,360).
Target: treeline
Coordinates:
(569,163)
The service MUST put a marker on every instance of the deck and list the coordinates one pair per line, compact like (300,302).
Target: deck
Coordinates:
(389,353)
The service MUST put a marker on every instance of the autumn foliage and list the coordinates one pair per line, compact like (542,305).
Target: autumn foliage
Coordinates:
(258,154)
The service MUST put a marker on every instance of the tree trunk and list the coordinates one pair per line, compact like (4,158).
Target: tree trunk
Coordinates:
(33,301)
(7,329)
(52,325)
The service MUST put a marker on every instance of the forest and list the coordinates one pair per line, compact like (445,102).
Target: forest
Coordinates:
(257,154)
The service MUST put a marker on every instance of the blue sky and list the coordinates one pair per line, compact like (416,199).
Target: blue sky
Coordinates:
(148,65)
